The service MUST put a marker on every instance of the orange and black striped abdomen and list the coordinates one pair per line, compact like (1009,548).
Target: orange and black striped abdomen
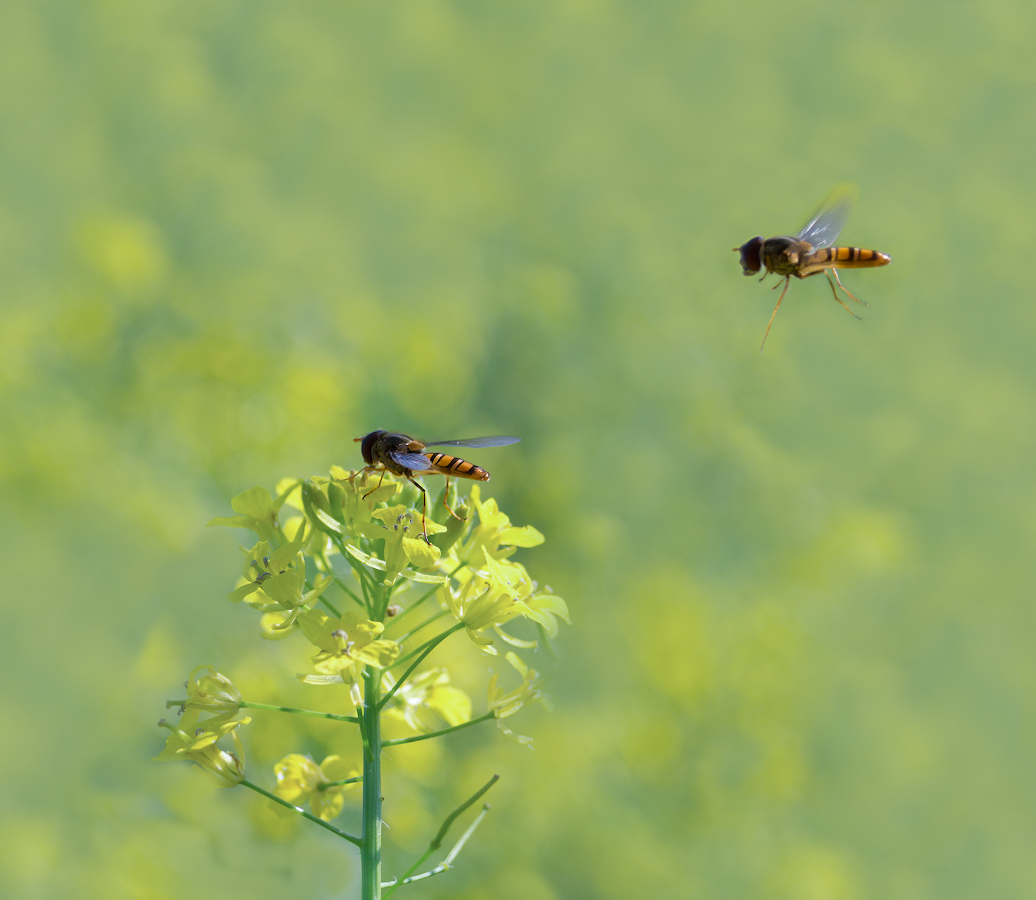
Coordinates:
(455,466)
(846,258)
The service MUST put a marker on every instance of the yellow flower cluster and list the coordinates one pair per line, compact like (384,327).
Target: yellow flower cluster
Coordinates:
(491,589)
(354,541)
(195,739)
(346,644)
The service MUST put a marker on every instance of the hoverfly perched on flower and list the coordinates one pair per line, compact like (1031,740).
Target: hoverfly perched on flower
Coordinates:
(403,455)
(809,251)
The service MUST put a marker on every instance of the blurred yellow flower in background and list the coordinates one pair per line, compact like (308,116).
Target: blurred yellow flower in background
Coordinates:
(301,781)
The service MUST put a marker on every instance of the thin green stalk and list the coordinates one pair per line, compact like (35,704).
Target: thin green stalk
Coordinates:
(363,728)
(447,863)
(346,590)
(423,625)
(429,647)
(300,712)
(362,578)
(391,589)
(331,784)
(329,606)
(424,597)
(370,847)
(363,573)
(386,598)
(436,841)
(435,734)
(271,533)
(352,839)
(360,572)
(433,641)
(327,603)
(328,569)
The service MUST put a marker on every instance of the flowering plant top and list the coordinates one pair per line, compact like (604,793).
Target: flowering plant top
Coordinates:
(339,563)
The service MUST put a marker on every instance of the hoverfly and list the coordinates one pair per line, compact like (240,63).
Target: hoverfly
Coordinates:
(809,251)
(403,455)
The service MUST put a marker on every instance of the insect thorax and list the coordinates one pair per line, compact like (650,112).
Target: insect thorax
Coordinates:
(782,254)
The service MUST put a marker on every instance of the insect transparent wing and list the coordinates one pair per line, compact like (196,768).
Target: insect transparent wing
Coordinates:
(823,227)
(497,441)
(416,462)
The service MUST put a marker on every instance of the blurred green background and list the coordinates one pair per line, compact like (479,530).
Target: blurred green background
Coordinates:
(234,236)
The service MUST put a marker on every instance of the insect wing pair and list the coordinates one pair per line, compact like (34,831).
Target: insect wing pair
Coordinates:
(828,219)
(441,463)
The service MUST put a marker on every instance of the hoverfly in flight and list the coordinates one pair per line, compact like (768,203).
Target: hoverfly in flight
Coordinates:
(403,455)
(809,251)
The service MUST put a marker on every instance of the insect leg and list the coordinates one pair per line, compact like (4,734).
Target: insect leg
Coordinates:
(378,485)
(446,494)
(424,507)
(787,281)
(842,286)
(839,299)
(362,471)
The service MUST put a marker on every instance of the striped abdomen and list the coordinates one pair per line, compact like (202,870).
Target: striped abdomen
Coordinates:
(844,258)
(455,466)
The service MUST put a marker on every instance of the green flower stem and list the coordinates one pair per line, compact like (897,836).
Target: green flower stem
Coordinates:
(391,588)
(436,842)
(328,569)
(363,730)
(424,597)
(363,573)
(428,648)
(345,590)
(434,734)
(329,606)
(331,784)
(414,605)
(359,572)
(327,603)
(373,588)
(400,580)
(352,839)
(386,599)
(447,863)
(433,641)
(271,533)
(370,847)
(424,624)
(300,712)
